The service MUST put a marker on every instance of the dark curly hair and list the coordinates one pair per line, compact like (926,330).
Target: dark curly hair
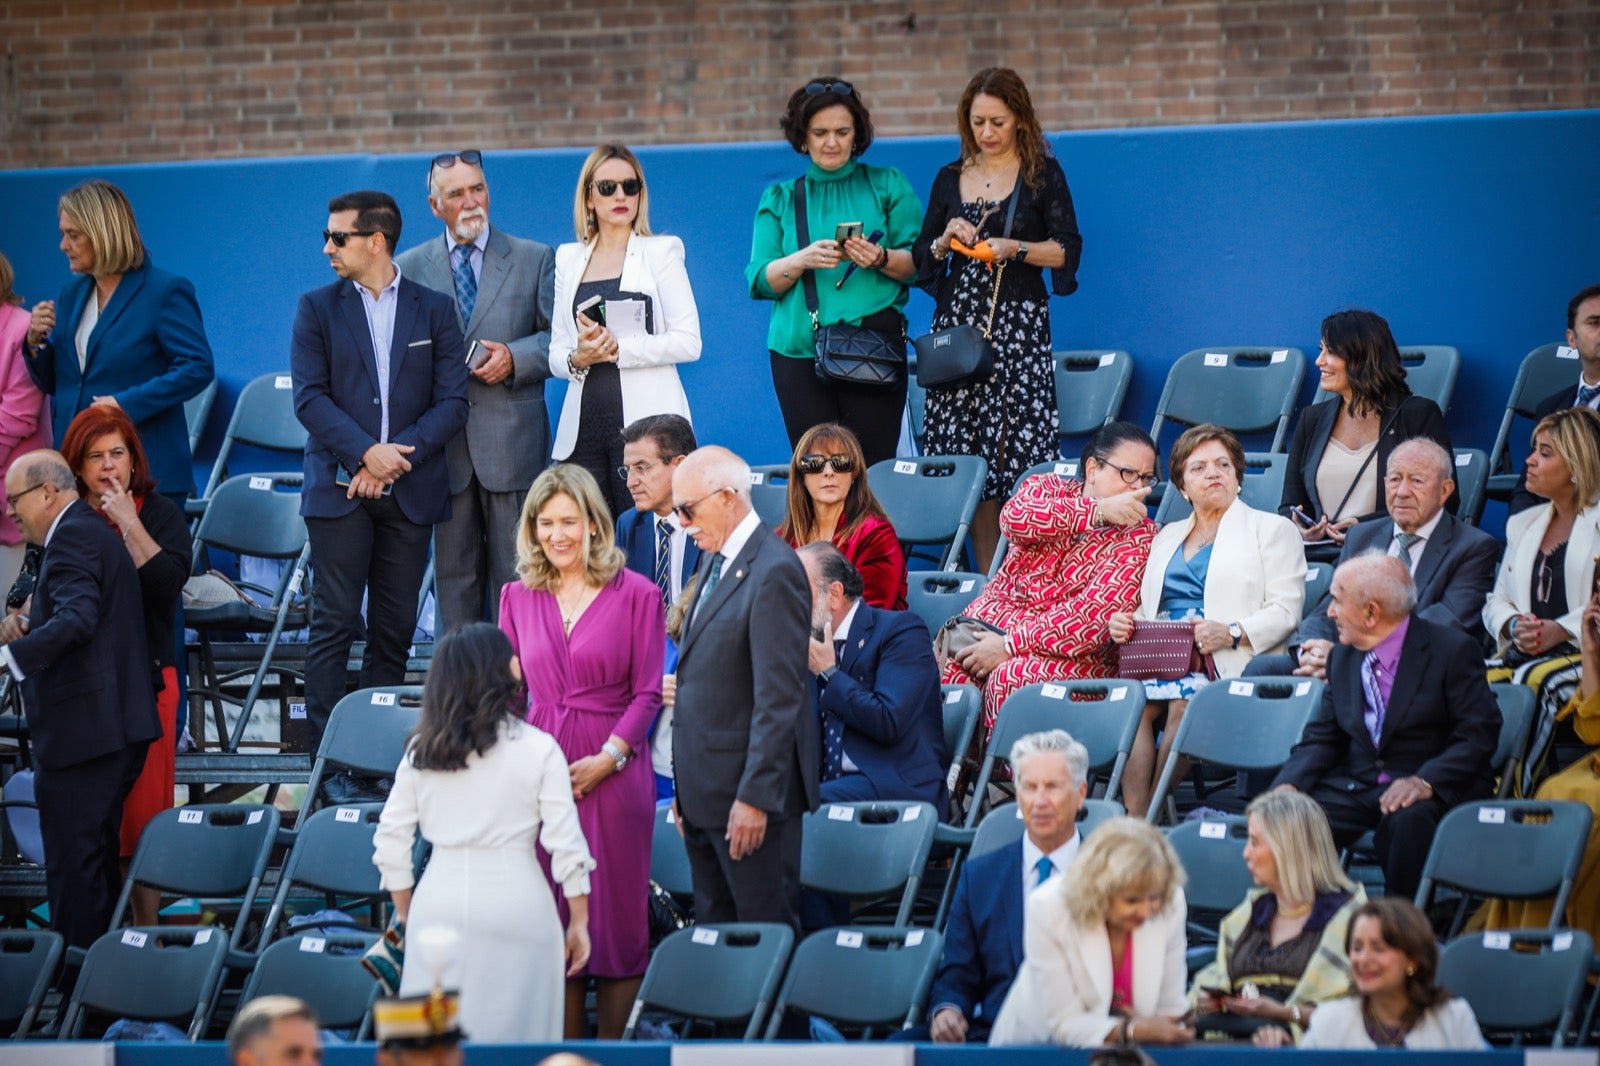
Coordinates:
(803,107)
(469,696)
(1371,359)
(1007,86)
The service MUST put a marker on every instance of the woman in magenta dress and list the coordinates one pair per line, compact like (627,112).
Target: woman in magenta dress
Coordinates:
(590,636)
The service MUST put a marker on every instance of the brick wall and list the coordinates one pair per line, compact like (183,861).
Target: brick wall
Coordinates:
(139,80)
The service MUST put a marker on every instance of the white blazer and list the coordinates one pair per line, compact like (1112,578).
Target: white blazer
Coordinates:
(1063,993)
(1257,578)
(1513,585)
(1451,1026)
(650,386)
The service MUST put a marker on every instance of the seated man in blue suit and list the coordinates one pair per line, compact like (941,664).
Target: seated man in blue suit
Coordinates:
(983,940)
(878,694)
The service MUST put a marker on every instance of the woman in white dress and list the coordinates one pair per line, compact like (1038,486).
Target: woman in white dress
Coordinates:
(483,787)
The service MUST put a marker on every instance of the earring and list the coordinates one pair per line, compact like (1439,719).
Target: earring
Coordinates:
(592,223)
(1411,971)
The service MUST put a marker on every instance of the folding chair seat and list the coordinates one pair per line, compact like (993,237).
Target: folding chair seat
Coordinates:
(1319,579)
(963,704)
(936,596)
(669,861)
(1544,371)
(1262,489)
(1090,388)
(1472,483)
(22,874)
(263,417)
(324,970)
(1212,852)
(28,959)
(1516,722)
(332,855)
(197,412)
(1520,982)
(725,975)
(930,500)
(1249,390)
(769,493)
(149,973)
(868,850)
(860,977)
(367,733)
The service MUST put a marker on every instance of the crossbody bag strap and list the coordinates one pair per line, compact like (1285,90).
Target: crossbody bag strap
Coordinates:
(1383,431)
(994,296)
(802,230)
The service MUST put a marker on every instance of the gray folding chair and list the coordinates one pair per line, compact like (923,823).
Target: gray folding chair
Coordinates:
(323,969)
(367,733)
(1430,370)
(769,493)
(1544,371)
(28,959)
(669,862)
(930,500)
(963,705)
(1319,579)
(149,973)
(860,977)
(263,417)
(725,974)
(1472,483)
(1090,388)
(1517,704)
(1058,467)
(1211,850)
(868,850)
(1522,982)
(196,412)
(1262,489)
(936,596)
(1249,390)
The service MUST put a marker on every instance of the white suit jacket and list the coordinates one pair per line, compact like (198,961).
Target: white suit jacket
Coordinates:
(650,386)
(1063,993)
(1257,578)
(1513,585)
(1451,1026)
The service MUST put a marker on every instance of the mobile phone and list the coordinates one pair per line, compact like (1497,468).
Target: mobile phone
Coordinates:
(1301,517)
(1594,585)
(1215,993)
(594,309)
(475,360)
(845,230)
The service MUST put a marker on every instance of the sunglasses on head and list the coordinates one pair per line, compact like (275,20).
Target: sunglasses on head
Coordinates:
(470,156)
(817,88)
(339,236)
(607,187)
(813,464)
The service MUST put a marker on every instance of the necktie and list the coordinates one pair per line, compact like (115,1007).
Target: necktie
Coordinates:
(664,560)
(1045,868)
(1374,694)
(712,578)
(1586,395)
(1403,551)
(466,284)
(832,733)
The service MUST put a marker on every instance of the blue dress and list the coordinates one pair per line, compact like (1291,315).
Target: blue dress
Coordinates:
(1183,596)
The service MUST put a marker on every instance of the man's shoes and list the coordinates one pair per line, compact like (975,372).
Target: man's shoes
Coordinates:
(344,787)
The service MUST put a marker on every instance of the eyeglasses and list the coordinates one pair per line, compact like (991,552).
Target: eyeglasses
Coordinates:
(339,236)
(641,469)
(12,502)
(817,88)
(630,186)
(685,511)
(813,464)
(470,156)
(1131,477)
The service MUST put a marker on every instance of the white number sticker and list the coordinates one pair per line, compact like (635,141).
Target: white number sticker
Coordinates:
(1053,692)
(133,938)
(1561,942)
(848,938)
(1120,692)
(704,936)
(953,696)
(347,814)
(190,817)
(758,477)
(905,466)
(1241,688)
(383,699)
(1108,358)
(261,484)
(1216,359)
(1303,689)
(1280,355)
(966,586)
(313,944)
(1497,941)
(1492,815)
(1214,830)
(1311,573)
(254,817)
(913,938)
(283,381)
(841,814)
(913,813)
(202,936)
(1563,352)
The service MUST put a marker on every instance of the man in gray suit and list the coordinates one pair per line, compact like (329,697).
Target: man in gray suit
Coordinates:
(744,726)
(503,287)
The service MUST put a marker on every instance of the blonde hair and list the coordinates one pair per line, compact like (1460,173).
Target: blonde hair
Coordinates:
(104,214)
(602,558)
(583,222)
(1296,831)
(1574,433)
(1121,853)
(8,278)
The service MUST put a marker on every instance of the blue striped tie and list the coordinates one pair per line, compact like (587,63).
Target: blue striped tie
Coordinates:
(466,283)
(664,560)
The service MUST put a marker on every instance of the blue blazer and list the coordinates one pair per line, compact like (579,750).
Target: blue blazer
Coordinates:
(149,350)
(888,696)
(336,394)
(636,536)
(983,940)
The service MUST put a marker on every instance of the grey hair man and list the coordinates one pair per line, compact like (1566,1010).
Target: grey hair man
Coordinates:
(274,1031)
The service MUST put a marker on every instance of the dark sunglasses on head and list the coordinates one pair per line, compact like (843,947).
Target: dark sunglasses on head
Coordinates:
(817,88)
(339,236)
(630,186)
(470,156)
(813,464)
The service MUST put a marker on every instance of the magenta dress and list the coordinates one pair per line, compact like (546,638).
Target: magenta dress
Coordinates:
(605,679)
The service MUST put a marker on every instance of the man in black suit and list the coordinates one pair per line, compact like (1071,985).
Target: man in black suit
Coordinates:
(1407,725)
(88,683)
(744,719)
(1583,337)
(879,704)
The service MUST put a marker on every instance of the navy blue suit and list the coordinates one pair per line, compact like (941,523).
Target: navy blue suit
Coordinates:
(149,350)
(636,536)
(887,694)
(983,940)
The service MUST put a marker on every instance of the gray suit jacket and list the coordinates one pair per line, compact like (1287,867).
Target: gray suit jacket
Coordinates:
(507,439)
(1453,579)
(743,726)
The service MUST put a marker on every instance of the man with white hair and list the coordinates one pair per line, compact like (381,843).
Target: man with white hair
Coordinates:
(274,1031)
(1407,725)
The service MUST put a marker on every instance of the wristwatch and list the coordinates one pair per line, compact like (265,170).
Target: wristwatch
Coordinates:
(827,675)
(616,753)
(1022,249)
(1236,631)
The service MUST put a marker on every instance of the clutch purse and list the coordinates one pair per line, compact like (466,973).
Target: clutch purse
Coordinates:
(1162,651)
(957,635)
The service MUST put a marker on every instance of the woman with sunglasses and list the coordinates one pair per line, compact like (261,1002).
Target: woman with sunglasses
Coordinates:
(829,499)
(624,318)
(860,282)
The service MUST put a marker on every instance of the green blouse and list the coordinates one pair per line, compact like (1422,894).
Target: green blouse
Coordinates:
(880,198)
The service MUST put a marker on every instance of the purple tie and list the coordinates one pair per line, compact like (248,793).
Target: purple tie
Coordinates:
(1374,692)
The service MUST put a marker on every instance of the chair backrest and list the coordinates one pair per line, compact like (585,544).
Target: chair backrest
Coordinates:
(263,417)
(254,514)
(28,960)
(1516,849)
(1516,720)
(1430,370)
(1520,981)
(196,412)
(1004,824)
(1544,371)
(332,853)
(916,404)
(367,732)
(930,499)
(936,596)
(22,817)
(1262,488)
(1090,387)
(716,973)
(769,493)
(1472,482)
(324,969)
(669,861)
(1247,390)
(149,973)
(962,706)
(1059,467)
(860,976)
(1319,579)
(1102,714)
(1096,812)
(865,850)
(1212,852)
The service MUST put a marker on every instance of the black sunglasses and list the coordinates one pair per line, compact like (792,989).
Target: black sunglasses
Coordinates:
(685,511)
(339,236)
(813,464)
(630,186)
(470,156)
(817,88)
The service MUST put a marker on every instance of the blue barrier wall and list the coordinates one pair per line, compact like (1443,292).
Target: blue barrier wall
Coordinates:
(1469,230)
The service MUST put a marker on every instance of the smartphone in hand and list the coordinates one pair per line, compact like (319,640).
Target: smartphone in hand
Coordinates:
(594,309)
(1301,518)
(845,230)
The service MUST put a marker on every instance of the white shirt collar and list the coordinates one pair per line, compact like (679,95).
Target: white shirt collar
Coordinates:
(735,542)
(51,532)
(843,632)
(1425,531)
(1032,853)
(481,243)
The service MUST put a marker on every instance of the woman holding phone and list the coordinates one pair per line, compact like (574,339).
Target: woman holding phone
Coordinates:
(624,318)
(860,223)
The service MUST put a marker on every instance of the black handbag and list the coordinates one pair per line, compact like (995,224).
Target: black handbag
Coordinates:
(853,355)
(963,355)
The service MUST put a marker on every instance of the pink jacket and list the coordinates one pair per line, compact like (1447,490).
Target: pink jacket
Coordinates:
(24,418)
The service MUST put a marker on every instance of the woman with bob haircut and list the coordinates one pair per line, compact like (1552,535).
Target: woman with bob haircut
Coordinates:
(1399,1001)
(487,790)
(1282,951)
(621,356)
(829,499)
(591,638)
(827,121)
(1103,956)
(123,332)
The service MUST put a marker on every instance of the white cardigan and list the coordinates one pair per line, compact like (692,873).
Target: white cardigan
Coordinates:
(1451,1026)
(1257,578)
(1514,582)
(650,386)
(1063,993)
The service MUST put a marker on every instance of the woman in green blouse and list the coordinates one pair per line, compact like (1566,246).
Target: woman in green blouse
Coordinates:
(826,120)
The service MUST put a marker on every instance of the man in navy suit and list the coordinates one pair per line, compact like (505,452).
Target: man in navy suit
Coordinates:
(88,682)
(1407,726)
(380,385)
(983,940)
(1583,337)
(879,703)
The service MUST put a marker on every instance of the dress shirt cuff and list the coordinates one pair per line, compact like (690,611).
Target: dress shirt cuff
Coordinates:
(9,662)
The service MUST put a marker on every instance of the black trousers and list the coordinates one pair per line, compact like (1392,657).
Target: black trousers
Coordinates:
(873,415)
(1402,838)
(377,550)
(80,818)
(761,887)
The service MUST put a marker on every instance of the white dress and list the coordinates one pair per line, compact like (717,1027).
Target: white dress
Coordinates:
(1451,1026)
(485,883)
